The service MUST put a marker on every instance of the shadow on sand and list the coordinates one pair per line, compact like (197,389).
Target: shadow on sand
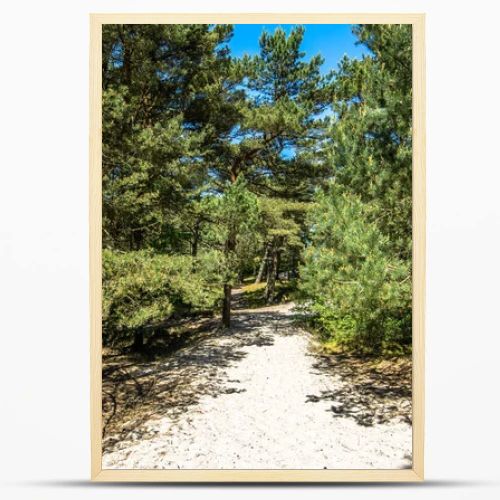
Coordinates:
(141,387)
(370,391)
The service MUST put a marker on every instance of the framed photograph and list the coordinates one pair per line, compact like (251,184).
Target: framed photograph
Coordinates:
(257,247)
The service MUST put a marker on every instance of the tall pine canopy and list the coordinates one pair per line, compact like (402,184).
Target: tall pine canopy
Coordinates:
(223,171)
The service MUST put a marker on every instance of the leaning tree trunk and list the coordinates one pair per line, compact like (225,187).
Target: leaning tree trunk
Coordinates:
(262,267)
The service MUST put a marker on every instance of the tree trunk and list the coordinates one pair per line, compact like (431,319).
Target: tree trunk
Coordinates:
(278,262)
(229,248)
(271,274)
(262,267)
(226,305)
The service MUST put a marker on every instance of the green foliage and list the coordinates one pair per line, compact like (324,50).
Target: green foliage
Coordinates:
(237,209)
(141,289)
(281,218)
(210,168)
(159,84)
(356,280)
(234,215)
(357,293)
(371,147)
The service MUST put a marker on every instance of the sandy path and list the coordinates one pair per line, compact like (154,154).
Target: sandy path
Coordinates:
(269,413)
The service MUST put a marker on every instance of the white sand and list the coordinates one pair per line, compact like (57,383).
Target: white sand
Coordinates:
(262,419)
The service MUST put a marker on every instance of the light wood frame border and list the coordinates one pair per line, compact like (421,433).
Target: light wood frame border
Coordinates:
(303,475)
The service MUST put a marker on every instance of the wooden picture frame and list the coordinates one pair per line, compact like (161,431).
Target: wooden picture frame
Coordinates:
(340,475)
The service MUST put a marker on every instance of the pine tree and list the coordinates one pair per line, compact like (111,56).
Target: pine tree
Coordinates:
(157,81)
(372,136)
(357,273)
(160,86)
(277,111)
(230,165)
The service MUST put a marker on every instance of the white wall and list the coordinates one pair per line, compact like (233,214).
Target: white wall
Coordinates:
(44,431)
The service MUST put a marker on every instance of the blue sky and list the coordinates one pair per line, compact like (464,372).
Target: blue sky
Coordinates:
(332,41)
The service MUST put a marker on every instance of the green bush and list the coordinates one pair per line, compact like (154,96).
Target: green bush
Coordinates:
(357,293)
(141,288)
